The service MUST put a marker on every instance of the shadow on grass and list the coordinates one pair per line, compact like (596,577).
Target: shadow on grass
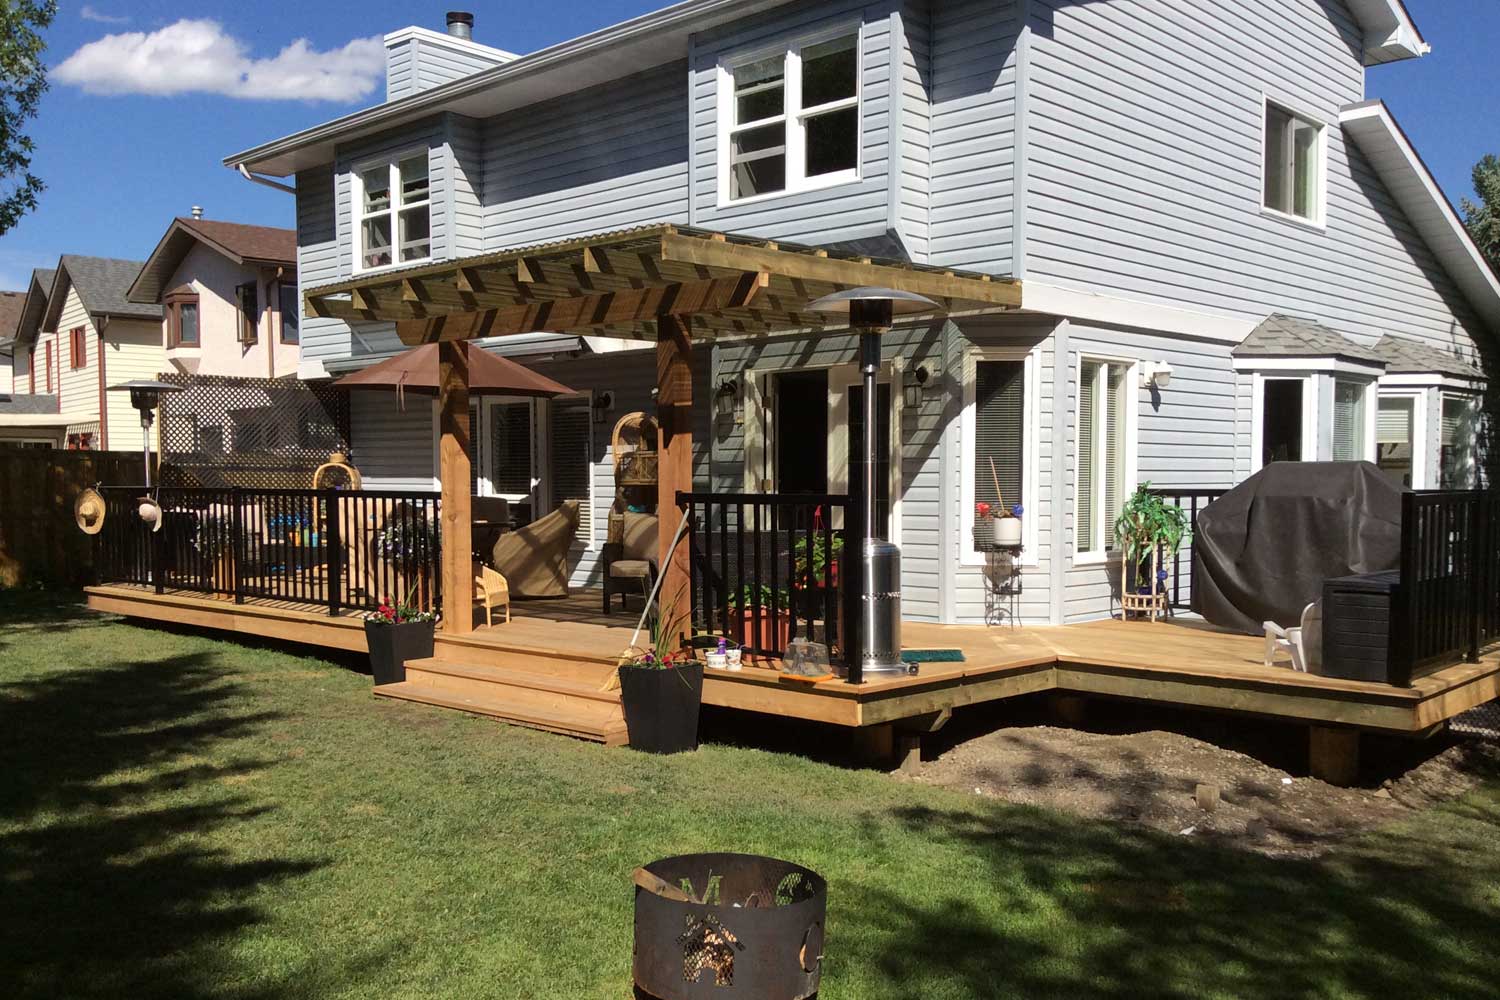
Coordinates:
(1087,911)
(111,882)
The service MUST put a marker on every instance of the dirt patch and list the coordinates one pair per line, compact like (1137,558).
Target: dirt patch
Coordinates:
(1152,777)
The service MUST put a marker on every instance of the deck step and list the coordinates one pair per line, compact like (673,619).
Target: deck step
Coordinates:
(441,672)
(605,724)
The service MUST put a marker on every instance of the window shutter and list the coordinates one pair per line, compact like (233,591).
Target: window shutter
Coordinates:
(571,465)
(999,426)
(1087,420)
(510,449)
(1348,422)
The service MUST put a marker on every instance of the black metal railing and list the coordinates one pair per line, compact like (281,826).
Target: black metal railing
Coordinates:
(1448,600)
(766,568)
(333,549)
(1180,571)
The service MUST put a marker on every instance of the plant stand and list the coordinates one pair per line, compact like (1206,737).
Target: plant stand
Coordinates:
(1152,605)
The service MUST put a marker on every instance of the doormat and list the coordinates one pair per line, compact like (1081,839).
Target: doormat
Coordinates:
(932,656)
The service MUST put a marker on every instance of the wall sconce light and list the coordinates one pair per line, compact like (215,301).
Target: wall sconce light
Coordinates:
(727,398)
(604,404)
(912,384)
(1155,375)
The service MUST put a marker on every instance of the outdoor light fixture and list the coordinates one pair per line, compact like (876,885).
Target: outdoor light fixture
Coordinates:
(912,384)
(871,312)
(145,396)
(1156,375)
(727,398)
(604,404)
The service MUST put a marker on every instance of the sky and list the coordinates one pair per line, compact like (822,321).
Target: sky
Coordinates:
(148,97)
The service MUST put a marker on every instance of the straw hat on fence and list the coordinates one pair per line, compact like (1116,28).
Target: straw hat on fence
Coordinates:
(88,511)
(150,512)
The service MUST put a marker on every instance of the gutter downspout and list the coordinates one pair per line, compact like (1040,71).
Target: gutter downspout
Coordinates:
(103,399)
(264,181)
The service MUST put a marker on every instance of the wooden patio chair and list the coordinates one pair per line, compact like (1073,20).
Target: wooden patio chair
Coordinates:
(491,591)
(1304,644)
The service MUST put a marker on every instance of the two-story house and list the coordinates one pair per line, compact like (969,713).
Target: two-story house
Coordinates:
(79,335)
(1226,255)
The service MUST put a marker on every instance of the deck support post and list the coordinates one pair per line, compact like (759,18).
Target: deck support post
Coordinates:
(876,745)
(456,570)
(1333,755)
(1069,710)
(674,402)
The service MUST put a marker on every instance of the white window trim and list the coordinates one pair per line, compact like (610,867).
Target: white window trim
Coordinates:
(1319,223)
(1370,409)
(1258,409)
(1104,555)
(357,202)
(1420,451)
(486,451)
(542,436)
(1030,453)
(796,180)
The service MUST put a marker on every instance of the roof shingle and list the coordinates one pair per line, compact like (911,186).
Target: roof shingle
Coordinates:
(1406,357)
(1282,336)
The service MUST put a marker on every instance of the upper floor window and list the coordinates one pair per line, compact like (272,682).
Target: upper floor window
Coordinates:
(289,307)
(249,300)
(182,318)
(790,121)
(78,348)
(1294,164)
(393,201)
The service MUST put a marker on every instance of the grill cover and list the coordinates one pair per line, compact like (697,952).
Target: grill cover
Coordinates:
(1262,551)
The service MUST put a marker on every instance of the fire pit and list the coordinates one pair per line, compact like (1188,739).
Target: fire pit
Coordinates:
(707,922)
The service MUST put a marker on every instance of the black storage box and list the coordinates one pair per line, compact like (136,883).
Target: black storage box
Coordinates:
(1359,643)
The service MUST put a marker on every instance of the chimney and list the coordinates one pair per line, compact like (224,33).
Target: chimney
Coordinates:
(197,211)
(461,24)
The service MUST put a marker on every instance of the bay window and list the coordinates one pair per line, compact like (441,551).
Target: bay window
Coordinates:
(1396,438)
(182,317)
(1456,461)
(1106,442)
(393,202)
(1349,420)
(790,119)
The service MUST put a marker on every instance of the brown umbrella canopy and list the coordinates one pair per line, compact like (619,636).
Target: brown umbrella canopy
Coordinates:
(489,375)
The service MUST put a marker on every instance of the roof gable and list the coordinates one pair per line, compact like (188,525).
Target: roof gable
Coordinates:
(236,241)
(34,309)
(101,283)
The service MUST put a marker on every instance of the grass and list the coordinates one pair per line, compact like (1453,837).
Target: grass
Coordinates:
(185,817)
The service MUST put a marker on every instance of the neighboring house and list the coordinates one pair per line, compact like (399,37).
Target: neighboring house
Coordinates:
(24,418)
(78,336)
(1226,255)
(228,294)
(11,304)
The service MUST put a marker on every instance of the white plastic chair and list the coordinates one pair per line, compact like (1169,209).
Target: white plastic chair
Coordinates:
(1304,644)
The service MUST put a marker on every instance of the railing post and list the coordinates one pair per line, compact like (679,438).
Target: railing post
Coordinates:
(153,547)
(1478,556)
(333,543)
(1403,617)
(237,540)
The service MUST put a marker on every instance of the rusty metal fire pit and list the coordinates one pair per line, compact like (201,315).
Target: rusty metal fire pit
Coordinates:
(715,925)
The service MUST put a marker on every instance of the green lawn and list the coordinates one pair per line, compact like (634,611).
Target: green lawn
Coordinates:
(184,817)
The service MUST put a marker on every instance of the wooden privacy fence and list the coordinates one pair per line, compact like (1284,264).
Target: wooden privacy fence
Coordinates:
(39,543)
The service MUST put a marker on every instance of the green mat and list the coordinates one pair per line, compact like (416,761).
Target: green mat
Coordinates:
(932,656)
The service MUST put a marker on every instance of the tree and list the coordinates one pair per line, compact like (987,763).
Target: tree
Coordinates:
(23,80)
(1483,219)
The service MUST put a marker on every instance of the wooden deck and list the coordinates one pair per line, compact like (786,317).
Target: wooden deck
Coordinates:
(1182,664)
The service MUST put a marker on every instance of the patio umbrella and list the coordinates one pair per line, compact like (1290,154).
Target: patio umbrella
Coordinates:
(489,375)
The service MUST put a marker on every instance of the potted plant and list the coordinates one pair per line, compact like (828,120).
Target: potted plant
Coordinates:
(396,633)
(410,542)
(1148,532)
(761,601)
(812,557)
(1008,526)
(661,692)
(215,542)
(984,526)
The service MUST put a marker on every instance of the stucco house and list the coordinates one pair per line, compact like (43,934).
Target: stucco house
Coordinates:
(78,335)
(1224,253)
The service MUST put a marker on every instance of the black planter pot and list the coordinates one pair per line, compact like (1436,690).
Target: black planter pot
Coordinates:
(392,645)
(661,707)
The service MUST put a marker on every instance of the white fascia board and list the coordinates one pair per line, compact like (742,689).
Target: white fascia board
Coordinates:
(1431,380)
(1327,364)
(44,419)
(1390,152)
(1092,307)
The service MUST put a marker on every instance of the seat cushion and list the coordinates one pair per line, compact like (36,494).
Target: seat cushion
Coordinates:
(638,538)
(629,569)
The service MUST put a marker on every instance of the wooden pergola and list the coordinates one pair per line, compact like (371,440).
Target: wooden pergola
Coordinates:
(669,285)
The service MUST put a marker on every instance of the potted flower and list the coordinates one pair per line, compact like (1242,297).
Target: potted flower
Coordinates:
(984,525)
(396,633)
(1148,532)
(812,557)
(761,601)
(1008,526)
(661,692)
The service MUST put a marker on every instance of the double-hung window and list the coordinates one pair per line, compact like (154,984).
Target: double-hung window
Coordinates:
(1396,443)
(1294,164)
(394,208)
(791,119)
(78,349)
(1349,420)
(1106,430)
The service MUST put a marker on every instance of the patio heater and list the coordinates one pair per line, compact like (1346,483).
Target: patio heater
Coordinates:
(871,312)
(145,396)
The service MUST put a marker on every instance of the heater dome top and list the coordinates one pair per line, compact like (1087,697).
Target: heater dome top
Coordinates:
(902,303)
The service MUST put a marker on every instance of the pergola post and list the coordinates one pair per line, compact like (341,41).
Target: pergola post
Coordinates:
(674,382)
(457,571)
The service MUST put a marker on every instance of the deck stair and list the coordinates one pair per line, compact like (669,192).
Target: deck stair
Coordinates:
(536,698)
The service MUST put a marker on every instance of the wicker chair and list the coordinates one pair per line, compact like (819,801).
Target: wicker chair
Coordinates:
(630,564)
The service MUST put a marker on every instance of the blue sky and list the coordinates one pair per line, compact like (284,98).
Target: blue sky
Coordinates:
(119,167)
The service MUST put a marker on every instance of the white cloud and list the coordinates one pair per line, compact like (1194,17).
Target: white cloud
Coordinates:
(200,57)
(90,13)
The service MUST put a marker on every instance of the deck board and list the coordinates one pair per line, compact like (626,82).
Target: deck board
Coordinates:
(1178,663)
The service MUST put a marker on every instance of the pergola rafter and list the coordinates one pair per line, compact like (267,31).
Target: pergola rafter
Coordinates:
(665,284)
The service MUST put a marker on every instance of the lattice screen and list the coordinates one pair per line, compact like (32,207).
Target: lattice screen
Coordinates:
(262,433)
